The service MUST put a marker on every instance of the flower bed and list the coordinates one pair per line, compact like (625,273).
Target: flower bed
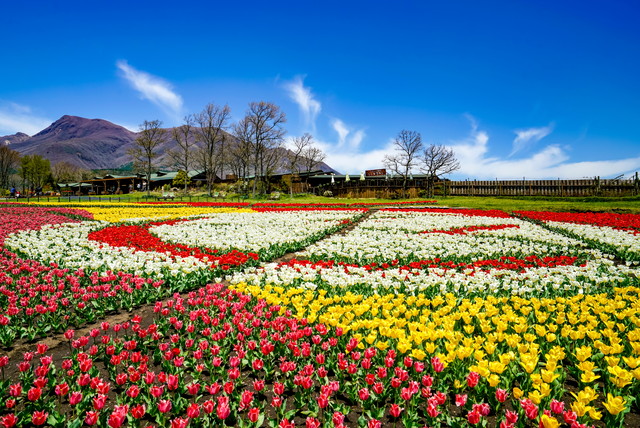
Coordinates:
(487,295)
(615,233)
(414,316)
(224,358)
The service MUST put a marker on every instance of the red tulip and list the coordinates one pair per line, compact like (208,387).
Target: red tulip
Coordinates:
(34,393)
(473,417)
(363,394)
(9,420)
(501,395)
(75,398)
(39,417)
(472,379)
(254,414)
(91,418)
(138,411)
(193,411)
(164,406)
(15,390)
(461,399)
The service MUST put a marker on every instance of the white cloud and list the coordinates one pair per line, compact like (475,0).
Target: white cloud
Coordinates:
(527,137)
(550,162)
(19,118)
(347,137)
(152,88)
(302,96)
(352,161)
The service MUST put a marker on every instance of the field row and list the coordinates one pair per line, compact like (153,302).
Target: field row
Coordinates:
(420,316)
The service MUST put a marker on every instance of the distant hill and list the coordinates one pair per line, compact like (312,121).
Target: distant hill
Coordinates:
(88,143)
(13,139)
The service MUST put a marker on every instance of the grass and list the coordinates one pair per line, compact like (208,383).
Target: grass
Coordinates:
(524,203)
(536,203)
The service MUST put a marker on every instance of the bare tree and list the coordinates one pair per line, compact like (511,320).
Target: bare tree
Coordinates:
(183,155)
(265,121)
(312,157)
(407,146)
(295,155)
(66,172)
(144,154)
(241,152)
(212,123)
(9,160)
(438,160)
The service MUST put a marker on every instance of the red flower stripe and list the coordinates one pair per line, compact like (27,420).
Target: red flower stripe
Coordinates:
(139,238)
(614,220)
(510,263)
(15,219)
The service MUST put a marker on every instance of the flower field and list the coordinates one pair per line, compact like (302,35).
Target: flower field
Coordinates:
(385,317)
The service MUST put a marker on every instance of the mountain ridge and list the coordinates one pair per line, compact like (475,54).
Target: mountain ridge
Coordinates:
(89,143)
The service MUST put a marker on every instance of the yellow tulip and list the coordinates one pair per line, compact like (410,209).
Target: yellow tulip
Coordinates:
(493,380)
(580,408)
(595,414)
(583,353)
(586,396)
(549,376)
(588,377)
(536,397)
(497,367)
(549,421)
(517,393)
(586,366)
(614,405)
(631,362)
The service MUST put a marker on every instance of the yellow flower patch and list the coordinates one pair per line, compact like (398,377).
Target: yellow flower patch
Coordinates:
(595,337)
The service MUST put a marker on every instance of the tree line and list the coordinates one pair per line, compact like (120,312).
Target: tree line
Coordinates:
(253,147)
(31,173)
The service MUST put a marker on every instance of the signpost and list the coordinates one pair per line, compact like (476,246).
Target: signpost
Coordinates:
(375,172)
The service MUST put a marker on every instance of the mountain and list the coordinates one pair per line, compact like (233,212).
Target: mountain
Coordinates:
(13,139)
(89,143)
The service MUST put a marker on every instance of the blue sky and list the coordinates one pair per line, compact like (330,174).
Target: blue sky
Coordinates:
(517,88)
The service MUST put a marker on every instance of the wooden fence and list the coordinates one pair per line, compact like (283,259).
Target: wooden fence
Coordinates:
(381,188)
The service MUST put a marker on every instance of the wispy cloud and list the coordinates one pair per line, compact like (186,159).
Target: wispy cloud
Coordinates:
(347,137)
(152,88)
(19,118)
(528,137)
(549,162)
(302,95)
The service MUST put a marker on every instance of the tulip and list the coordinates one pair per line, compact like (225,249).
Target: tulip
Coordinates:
(395,410)
(461,400)
(253,414)
(193,411)
(91,417)
(473,417)
(34,394)
(363,394)
(138,411)
(75,398)
(15,390)
(614,405)
(9,420)
(501,395)
(164,406)
(39,417)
